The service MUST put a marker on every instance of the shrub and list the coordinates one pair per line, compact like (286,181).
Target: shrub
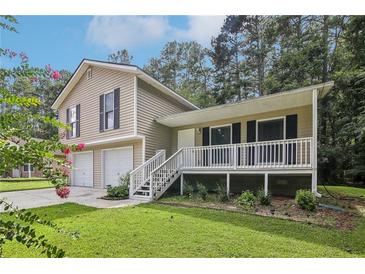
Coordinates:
(222,193)
(202,191)
(188,190)
(247,199)
(120,191)
(306,200)
(262,198)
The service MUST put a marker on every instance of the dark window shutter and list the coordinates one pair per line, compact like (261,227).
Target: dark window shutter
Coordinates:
(101,113)
(78,120)
(116,107)
(206,136)
(68,123)
(291,126)
(251,131)
(236,133)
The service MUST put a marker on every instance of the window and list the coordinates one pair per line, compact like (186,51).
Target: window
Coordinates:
(220,135)
(89,74)
(73,122)
(270,130)
(26,167)
(109,110)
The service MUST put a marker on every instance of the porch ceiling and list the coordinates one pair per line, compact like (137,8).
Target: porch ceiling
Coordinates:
(283,100)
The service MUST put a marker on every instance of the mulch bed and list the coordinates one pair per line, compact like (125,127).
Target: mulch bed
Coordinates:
(285,208)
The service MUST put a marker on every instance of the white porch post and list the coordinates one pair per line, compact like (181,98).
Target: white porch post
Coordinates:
(29,171)
(228,183)
(182,184)
(314,144)
(266,184)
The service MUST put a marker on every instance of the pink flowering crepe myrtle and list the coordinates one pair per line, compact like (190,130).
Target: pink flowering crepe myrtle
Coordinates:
(63,190)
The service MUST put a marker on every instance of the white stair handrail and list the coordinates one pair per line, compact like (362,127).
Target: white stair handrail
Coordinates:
(161,174)
(140,175)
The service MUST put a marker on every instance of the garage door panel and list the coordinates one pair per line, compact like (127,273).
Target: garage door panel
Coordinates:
(117,162)
(83,169)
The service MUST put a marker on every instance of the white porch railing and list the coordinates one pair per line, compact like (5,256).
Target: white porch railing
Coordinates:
(141,174)
(291,153)
(284,154)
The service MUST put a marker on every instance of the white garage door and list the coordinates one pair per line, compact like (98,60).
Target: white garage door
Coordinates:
(117,162)
(83,169)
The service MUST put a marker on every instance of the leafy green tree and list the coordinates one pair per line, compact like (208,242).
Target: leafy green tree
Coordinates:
(121,57)
(184,67)
(17,147)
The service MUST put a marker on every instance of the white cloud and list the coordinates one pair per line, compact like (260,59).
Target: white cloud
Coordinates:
(116,32)
(125,31)
(202,28)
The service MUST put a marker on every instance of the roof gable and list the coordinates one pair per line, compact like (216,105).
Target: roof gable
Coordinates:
(86,63)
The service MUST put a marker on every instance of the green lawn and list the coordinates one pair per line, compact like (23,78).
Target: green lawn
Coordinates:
(23,185)
(153,230)
(344,191)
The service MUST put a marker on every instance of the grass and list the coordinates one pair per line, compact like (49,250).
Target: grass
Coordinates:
(23,185)
(348,191)
(155,230)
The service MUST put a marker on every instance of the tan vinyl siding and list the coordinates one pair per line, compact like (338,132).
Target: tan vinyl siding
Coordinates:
(87,93)
(137,158)
(152,104)
(304,124)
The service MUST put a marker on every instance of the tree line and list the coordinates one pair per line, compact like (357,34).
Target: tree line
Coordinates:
(259,55)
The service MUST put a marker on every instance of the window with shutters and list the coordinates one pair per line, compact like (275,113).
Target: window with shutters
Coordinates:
(109,110)
(73,122)
(269,130)
(220,135)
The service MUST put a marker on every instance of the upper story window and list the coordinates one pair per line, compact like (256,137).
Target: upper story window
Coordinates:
(73,120)
(220,135)
(109,110)
(89,74)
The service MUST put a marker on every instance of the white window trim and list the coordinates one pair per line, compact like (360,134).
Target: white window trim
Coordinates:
(213,127)
(69,109)
(271,119)
(104,94)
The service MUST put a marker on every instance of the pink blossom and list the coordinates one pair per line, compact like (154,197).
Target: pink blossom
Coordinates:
(63,192)
(56,75)
(80,147)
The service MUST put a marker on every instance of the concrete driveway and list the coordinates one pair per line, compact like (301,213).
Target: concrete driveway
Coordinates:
(47,197)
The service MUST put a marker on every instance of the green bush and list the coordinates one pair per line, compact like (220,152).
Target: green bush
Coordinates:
(188,190)
(262,198)
(120,191)
(202,191)
(306,200)
(246,200)
(221,193)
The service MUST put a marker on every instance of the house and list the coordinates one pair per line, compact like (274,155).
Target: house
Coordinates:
(130,122)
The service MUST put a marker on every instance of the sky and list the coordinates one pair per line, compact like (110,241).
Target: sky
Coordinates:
(63,41)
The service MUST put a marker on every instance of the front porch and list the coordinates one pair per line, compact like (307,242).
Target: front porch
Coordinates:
(290,156)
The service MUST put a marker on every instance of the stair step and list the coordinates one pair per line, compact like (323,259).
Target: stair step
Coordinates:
(140,197)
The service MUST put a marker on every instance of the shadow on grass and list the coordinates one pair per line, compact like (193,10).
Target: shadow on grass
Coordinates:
(348,241)
(56,212)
